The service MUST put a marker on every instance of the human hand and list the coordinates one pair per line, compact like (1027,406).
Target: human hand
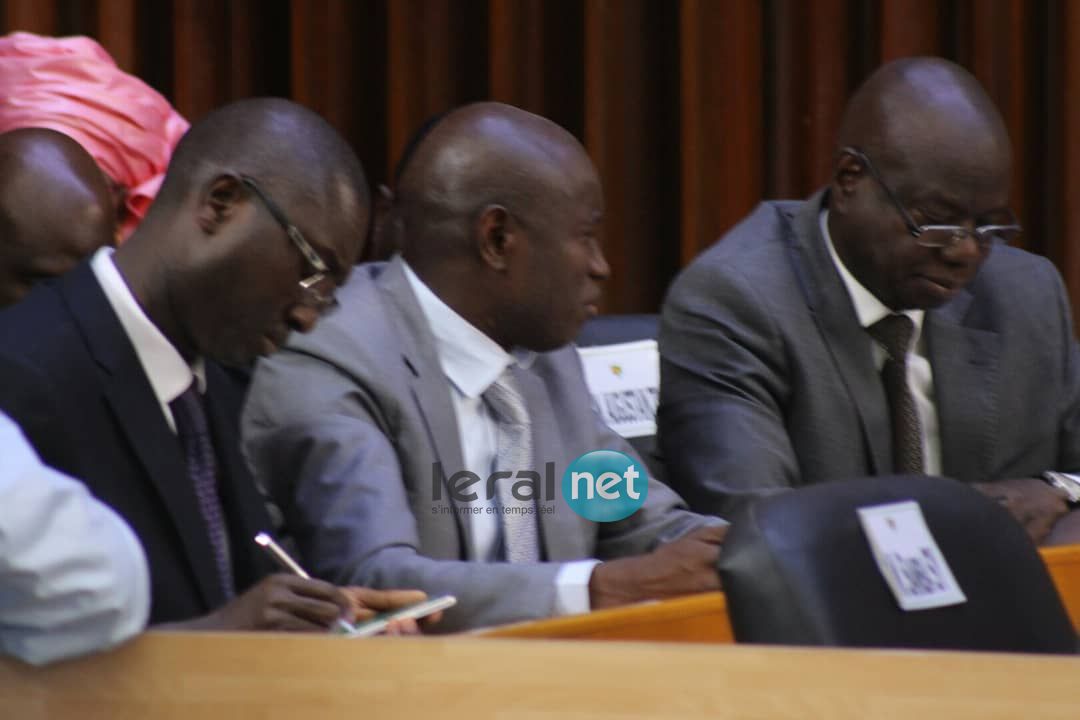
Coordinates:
(366,602)
(1035,504)
(1066,531)
(682,567)
(281,602)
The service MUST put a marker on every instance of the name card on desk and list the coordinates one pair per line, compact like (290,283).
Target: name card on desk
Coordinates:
(624,381)
(908,556)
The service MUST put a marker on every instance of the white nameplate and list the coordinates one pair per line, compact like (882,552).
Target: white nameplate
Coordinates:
(624,381)
(908,557)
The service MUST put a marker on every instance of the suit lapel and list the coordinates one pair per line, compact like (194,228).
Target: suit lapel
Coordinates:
(964,361)
(429,388)
(839,326)
(128,392)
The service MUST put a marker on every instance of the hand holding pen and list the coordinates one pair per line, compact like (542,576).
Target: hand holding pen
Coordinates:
(286,562)
(295,602)
(286,603)
(364,602)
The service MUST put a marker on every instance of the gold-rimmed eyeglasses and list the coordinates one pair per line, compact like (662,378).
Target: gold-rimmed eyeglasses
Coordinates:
(318,288)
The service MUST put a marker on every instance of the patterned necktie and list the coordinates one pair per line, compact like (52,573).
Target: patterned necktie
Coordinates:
(194,434)
(894,334)
(520,537)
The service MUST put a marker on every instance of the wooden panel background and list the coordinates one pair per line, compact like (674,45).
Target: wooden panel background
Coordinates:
(694,110)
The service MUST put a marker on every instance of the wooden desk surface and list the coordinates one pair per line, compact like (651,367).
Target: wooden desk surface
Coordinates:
(698,618)
(1064,565)
(197,676)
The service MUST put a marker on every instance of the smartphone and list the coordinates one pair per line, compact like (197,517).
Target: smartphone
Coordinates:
(377,624)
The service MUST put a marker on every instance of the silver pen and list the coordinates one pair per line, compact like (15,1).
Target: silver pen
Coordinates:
(283,559)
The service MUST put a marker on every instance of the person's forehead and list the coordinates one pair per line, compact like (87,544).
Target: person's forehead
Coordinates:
(959,189)
(933,137)
(571,206)
(948,170)
(578,184)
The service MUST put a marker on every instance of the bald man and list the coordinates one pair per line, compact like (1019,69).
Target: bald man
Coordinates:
(385,434)
(782,362)
(115,372)
(55,208)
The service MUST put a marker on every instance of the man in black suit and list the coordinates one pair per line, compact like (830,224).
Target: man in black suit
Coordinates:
(112,370)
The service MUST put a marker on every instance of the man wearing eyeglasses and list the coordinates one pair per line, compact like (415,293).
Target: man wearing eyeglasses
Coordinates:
(113,371)
(883,326)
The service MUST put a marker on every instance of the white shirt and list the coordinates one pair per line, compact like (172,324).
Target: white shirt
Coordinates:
(73,577)
(166,369)
(920,376)
(472,361)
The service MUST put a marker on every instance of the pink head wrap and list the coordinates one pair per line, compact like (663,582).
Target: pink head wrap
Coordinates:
(73,86)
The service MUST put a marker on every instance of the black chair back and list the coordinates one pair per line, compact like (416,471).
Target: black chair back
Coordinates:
(797,569)
(614,329)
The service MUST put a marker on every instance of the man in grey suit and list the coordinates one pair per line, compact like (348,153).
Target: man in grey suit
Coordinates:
(367,428)
(770,362)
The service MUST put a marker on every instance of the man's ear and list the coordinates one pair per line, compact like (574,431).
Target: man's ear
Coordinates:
(849,170)
(382,203)
(496,236)
(219,201)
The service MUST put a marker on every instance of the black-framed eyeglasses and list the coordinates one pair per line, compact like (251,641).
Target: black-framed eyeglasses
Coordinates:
(939,236)
(317,289)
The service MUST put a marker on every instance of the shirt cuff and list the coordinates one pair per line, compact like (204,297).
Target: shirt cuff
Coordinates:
(572,587)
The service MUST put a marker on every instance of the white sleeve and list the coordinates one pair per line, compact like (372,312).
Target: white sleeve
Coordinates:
(73,576)
(572,587)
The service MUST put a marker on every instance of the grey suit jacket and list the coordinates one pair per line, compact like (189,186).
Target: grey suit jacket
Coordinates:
(768,380)
(347,425)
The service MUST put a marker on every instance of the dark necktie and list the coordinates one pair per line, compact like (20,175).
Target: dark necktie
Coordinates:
(194,434)
(894,334)
(520,537)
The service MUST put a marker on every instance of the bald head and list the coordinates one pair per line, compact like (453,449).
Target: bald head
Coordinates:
(292,152)
(500,213)
(478,156)
(928,113)
(55,208)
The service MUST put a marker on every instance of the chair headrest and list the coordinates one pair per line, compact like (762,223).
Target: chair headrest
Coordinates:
(613,329)
(798,569)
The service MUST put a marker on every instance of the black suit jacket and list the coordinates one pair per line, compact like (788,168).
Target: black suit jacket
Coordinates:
(72,380)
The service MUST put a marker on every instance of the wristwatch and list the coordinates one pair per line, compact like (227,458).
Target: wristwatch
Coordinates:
(1070,484)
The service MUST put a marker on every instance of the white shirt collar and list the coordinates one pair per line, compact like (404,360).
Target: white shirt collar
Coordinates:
(470,359)
(867,307)
(166,369)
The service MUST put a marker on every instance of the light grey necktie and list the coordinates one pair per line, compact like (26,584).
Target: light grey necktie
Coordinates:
(514,452)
